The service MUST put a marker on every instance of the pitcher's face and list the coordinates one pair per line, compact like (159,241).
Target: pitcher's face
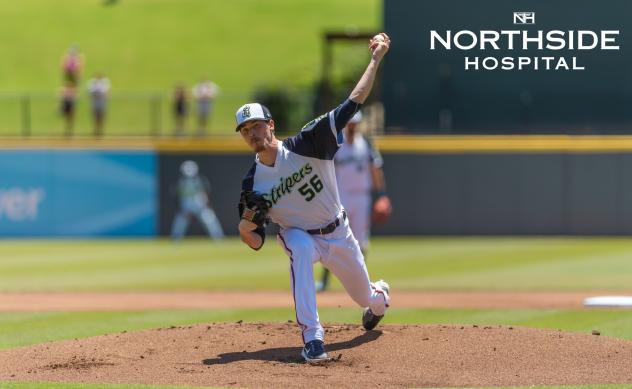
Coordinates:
(258,134)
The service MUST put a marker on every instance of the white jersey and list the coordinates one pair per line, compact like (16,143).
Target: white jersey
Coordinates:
(302,194)
(353,165)
(301,187)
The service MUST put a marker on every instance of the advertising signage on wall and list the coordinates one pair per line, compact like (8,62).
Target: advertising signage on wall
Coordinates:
(460,66)
(551,42)
(77,193)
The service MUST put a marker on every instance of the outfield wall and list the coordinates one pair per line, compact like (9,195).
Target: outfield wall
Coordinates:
(465,194)
(536,194)
(79,193)
(439,185)
(225,173)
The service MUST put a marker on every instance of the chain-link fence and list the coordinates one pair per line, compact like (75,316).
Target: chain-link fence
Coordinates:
(39,114)
(142,114)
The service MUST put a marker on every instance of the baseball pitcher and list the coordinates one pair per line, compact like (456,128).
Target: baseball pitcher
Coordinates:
(293,182)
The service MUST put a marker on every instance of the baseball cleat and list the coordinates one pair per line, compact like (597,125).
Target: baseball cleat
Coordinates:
(320,286)
(369,319)
(314,351)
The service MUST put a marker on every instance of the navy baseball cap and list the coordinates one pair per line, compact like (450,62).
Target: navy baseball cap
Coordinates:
(251,111)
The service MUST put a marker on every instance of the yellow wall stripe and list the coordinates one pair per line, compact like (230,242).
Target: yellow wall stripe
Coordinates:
(505,143)
(388,144)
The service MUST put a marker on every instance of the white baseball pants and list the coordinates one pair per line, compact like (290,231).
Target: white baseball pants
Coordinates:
(340,253)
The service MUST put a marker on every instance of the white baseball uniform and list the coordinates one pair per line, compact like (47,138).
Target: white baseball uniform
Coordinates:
(353,173)
(303,197)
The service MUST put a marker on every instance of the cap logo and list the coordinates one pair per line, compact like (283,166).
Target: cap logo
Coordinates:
(245,112)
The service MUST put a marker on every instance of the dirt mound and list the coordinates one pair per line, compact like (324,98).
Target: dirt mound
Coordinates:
(267,355)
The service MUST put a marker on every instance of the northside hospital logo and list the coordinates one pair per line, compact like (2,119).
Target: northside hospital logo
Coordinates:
(528,37)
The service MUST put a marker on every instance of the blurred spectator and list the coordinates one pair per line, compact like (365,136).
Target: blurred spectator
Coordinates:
(72,64)
(193,191)
(68,102)
(204,94)
(180,108)
(99,87)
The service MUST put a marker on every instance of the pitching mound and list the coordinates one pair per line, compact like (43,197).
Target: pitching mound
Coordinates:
(267,355)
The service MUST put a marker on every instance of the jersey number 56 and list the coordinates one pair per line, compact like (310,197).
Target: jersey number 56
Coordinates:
(310,190)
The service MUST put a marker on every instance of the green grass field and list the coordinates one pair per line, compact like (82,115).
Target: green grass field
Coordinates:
(530,264)
(146,46)
(554,264)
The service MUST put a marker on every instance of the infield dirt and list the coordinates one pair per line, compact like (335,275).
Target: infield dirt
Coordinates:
(134,301)
(267,356)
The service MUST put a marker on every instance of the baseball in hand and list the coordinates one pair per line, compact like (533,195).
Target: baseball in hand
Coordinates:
(378,38)
(376,41)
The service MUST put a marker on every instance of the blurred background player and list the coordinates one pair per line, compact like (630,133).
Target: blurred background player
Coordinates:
(204,93)
(358,171)
(193,194)
(98,88)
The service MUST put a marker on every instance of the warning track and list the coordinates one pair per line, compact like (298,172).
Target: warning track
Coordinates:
(135,301)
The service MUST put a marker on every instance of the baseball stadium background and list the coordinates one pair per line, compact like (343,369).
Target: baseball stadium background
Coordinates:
(511,195)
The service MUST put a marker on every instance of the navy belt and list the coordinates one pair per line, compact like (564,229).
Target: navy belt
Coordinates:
(329,228)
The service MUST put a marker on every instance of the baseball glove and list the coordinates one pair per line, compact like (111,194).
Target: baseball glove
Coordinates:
(253,207)
(382,210)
